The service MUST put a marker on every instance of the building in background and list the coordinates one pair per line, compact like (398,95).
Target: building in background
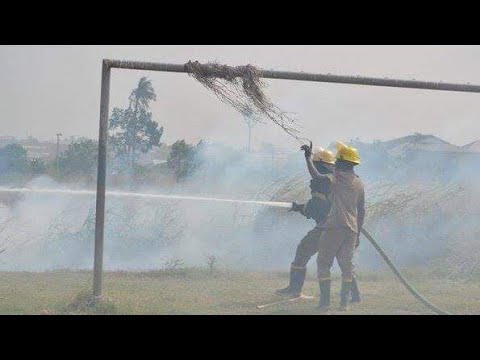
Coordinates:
(36,149)
(6,140)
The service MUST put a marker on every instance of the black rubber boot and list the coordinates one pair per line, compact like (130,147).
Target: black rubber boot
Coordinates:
(324,303)
(344,293)
(355,292)
(287,290)
(297,279)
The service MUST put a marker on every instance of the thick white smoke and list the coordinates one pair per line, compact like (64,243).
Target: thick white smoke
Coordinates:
(417,219)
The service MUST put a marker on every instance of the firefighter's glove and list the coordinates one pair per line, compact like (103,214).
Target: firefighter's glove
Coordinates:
(307,149)
(296,207)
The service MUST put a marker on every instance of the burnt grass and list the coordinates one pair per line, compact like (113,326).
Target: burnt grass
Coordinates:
(202,291)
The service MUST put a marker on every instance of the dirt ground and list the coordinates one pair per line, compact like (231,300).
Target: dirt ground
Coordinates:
(198,291)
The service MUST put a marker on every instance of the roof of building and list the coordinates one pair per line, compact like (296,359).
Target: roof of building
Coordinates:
(472,147)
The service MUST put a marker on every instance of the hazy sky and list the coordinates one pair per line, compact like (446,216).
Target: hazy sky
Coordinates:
(50,89)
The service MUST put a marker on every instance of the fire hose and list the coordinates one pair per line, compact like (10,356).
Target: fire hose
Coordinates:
(402,279)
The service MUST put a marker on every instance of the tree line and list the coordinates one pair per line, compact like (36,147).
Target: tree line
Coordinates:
(132,132)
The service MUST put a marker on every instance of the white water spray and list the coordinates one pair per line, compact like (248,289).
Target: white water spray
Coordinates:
(285,205)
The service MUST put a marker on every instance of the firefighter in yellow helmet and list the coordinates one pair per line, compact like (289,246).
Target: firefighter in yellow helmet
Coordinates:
(341,229)
(316,208)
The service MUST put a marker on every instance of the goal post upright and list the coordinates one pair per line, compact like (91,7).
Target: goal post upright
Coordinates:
(101,179)
(107,65)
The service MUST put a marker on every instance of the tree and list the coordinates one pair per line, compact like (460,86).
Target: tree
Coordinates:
(182,159)
(79,160)
(133,129)
(13,159)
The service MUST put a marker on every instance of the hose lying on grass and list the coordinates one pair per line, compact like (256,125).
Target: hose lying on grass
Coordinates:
(399,275)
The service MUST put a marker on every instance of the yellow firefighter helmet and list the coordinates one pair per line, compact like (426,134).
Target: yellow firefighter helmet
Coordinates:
(326,156)
(347,153)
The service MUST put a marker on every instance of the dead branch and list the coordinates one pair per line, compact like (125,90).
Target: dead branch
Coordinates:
(241,87)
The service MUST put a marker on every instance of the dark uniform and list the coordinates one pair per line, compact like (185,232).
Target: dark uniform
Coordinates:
(316,208)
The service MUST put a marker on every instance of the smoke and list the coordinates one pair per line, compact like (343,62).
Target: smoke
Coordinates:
(419,213)
(29,222)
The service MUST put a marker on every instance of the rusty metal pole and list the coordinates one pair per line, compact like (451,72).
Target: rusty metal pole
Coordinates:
(302,76)
(101,180)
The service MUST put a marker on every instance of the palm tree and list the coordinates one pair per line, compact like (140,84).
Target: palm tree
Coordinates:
(143,94)
(250,120)
(140,97)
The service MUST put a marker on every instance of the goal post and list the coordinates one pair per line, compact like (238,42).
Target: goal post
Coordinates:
(107,65)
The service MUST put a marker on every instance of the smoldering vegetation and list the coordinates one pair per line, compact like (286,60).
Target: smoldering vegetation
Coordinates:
(423,211)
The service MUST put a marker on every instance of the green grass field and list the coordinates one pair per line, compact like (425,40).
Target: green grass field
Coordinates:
(198,291)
